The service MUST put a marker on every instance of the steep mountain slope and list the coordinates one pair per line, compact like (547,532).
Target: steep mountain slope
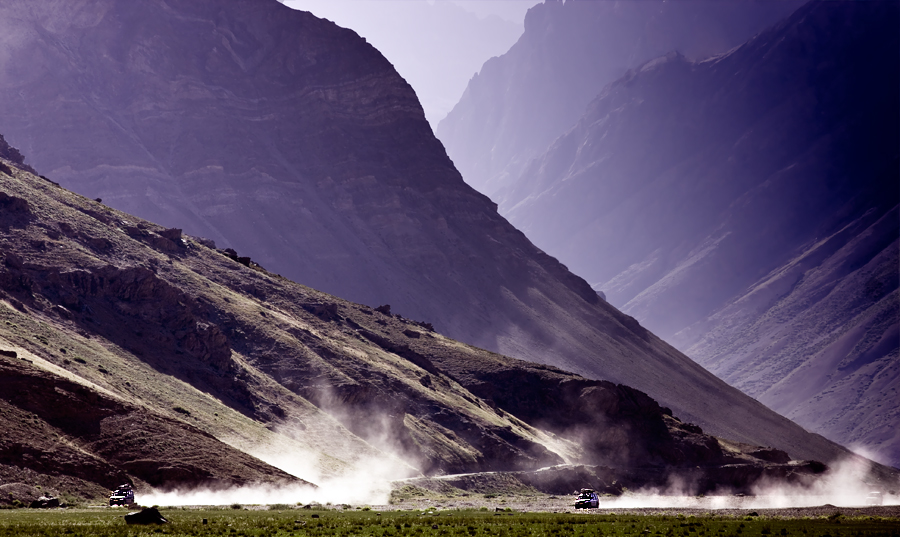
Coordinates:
(520,102)
(133,353)
(295,142)
(435,46)
(745,209)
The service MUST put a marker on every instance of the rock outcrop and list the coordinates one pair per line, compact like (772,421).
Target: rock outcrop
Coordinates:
(96,438)
(13,156)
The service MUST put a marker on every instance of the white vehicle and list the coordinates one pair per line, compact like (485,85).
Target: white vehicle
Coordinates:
(588,499)
(123,495)
(875,498)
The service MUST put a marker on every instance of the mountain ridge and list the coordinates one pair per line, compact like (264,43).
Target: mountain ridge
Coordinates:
(320,166)
(568,53)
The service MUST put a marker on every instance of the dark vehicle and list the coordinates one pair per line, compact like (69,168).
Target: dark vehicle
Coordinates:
(587,499)
(123,495)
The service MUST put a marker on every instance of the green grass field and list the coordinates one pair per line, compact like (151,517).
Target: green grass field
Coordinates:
(240,522)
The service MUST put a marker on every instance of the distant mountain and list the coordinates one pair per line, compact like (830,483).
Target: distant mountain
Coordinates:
(130,353)
(520,102)
(295,143)
(744,208)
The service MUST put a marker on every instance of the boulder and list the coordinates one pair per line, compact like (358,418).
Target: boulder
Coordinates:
(173,234)
(44,502)
(148,515)
(326,312)
(770,454)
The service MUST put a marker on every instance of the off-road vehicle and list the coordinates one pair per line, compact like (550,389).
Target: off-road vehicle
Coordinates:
(587,499)
(123,495)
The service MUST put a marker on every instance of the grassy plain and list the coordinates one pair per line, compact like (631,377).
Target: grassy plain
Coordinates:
(299,522)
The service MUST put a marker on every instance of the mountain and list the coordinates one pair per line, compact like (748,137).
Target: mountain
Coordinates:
(435,46)
(130,352)
(520,102)
(744,208)
(295,144)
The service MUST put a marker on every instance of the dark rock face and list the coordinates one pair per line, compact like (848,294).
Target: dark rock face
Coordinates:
(109,440)
(15,211)
(295,143)
(745,209)
(520,102)
(13,155)
(616,425)
(147,515)
(137,310)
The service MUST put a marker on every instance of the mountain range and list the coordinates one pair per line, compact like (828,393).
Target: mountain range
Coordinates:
(292,144)
(518,103)
(742,206)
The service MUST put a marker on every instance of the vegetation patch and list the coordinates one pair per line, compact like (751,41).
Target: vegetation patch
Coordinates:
(339,522)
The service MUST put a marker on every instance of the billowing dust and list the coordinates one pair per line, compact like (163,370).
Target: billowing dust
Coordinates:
(368,481)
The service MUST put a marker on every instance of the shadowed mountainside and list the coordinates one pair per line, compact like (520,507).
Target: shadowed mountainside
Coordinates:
(133,353)
(520,102)
(744,208)
(296,143)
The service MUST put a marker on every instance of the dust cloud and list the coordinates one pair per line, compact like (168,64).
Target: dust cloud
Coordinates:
(365,480)
(368,479)
(844,485)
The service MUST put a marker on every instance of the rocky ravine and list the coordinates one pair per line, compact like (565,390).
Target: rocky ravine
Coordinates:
(295,142)
(130,352)
(745,209)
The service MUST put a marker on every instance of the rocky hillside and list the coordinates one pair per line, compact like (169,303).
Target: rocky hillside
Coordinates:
(520,102)
(295,143)
(744,208)
(132,353)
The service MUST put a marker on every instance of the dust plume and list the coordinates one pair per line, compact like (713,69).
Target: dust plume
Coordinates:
(845,484)
(365,480)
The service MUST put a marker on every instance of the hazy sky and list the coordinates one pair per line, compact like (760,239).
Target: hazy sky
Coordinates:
(436,45)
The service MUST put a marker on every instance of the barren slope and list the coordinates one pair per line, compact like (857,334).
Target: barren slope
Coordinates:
(133,353)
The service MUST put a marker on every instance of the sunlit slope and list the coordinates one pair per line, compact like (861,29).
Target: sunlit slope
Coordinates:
(132,352)
(201,339)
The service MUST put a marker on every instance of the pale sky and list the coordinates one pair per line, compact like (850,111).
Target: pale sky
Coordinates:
(436,45)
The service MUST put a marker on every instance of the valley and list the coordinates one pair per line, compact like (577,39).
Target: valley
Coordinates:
(234,257)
